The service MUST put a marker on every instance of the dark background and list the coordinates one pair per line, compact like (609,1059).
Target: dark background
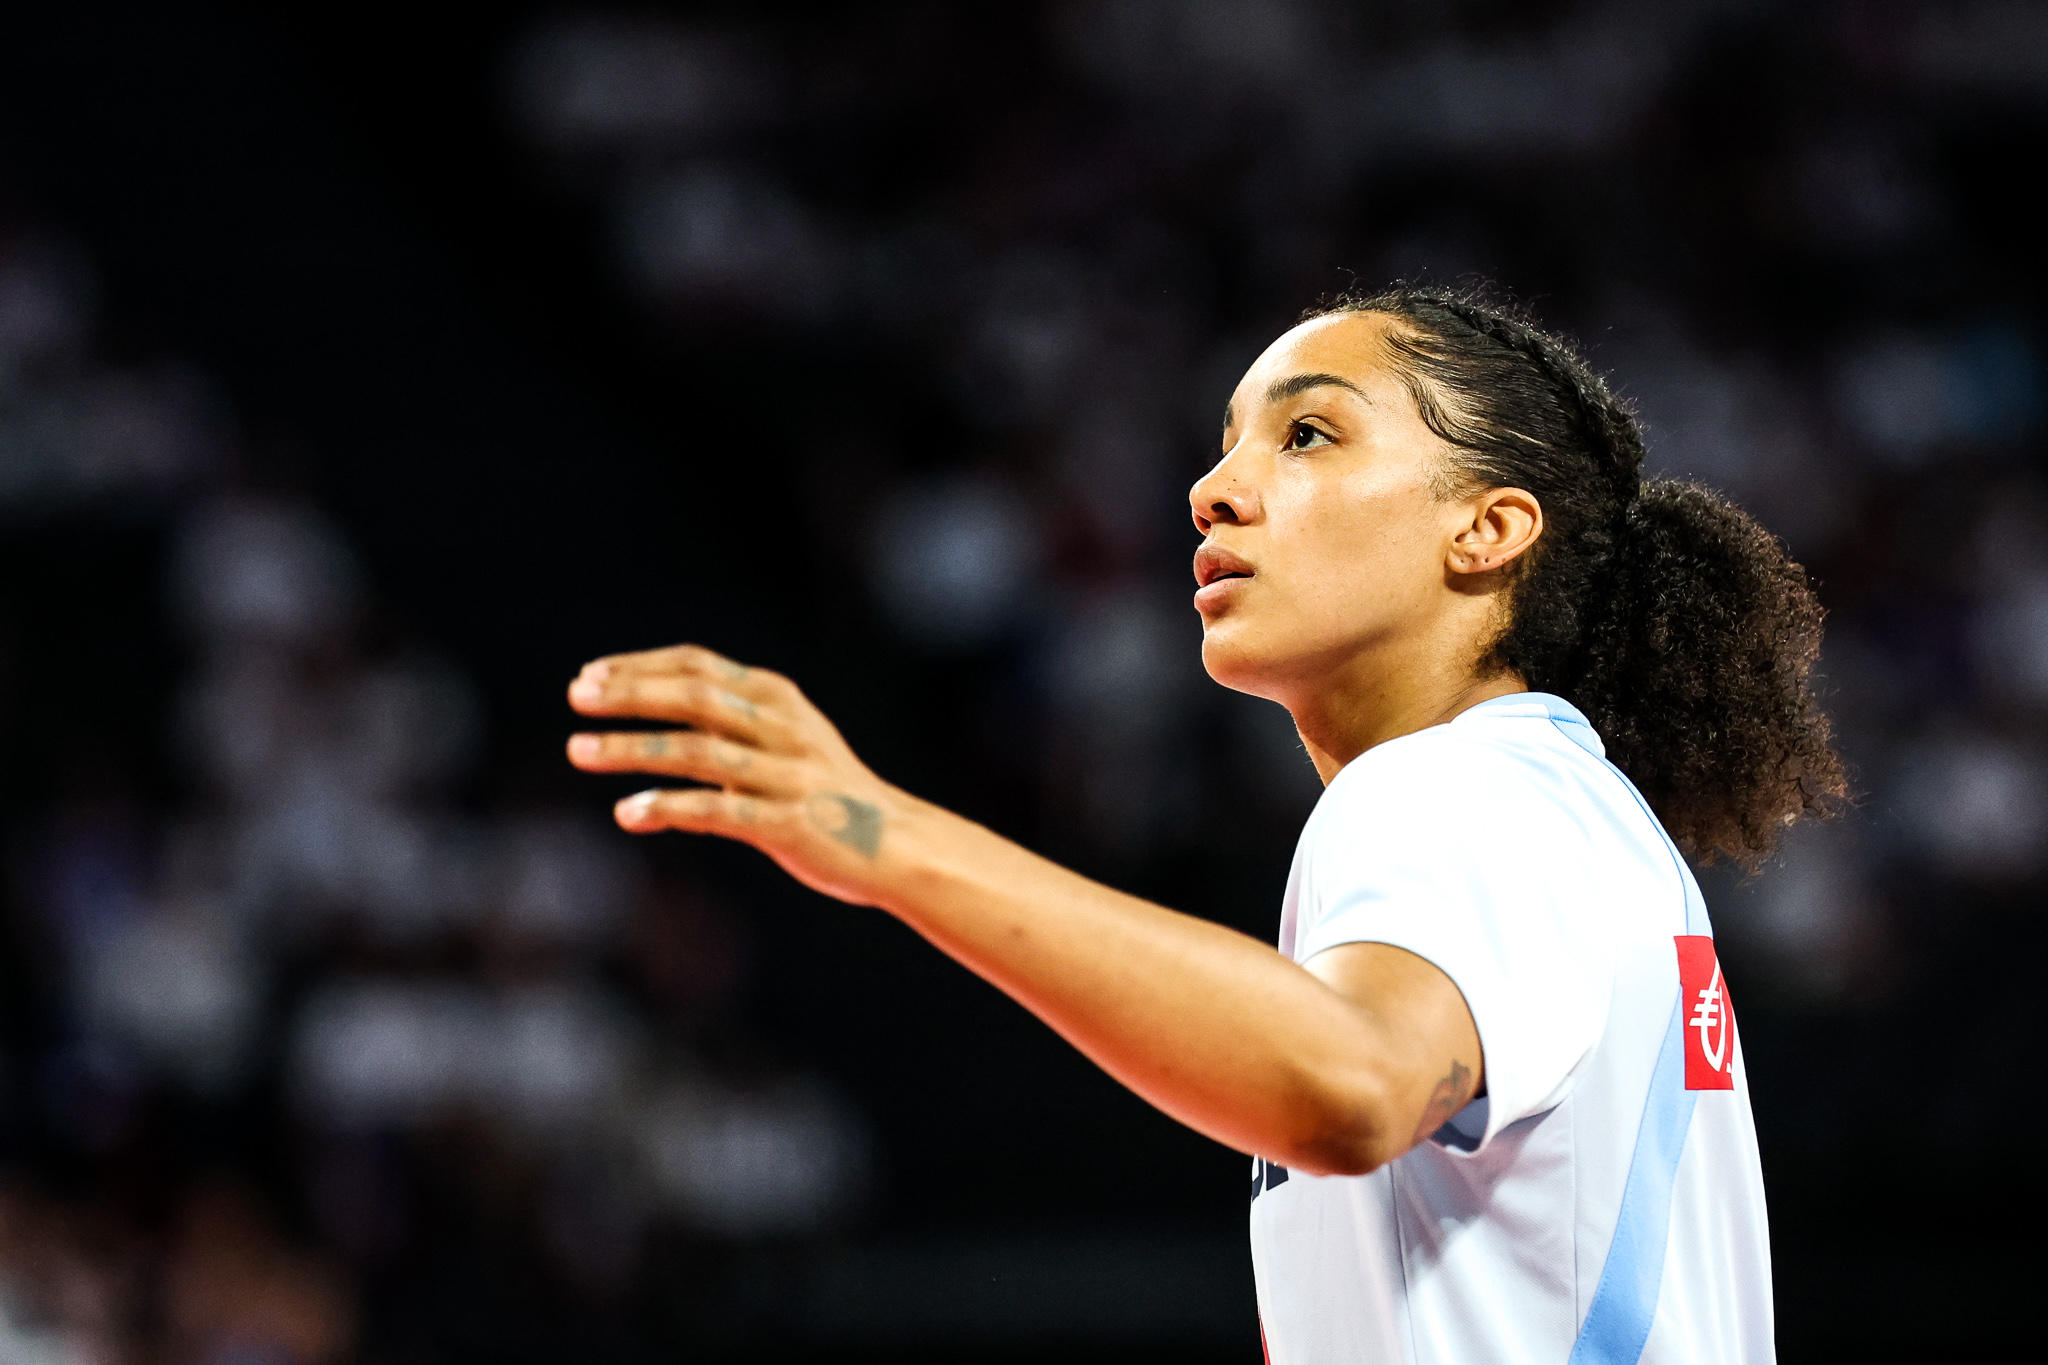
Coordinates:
(363,374)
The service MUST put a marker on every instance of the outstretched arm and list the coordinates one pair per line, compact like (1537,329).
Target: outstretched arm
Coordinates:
(1336,1066)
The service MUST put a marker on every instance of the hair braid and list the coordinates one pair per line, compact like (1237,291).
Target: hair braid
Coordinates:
(1615,434)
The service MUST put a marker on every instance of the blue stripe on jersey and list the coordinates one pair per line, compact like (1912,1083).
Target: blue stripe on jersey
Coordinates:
(1617,1325)
(1625,1300)
(1618,1322)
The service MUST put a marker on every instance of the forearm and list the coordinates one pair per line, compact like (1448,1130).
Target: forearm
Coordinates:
(1211,1026)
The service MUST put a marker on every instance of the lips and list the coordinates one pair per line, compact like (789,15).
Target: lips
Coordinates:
(1213,562)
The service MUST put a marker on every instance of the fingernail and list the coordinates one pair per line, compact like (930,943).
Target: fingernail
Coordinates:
(585,748)
(586,691)
(634,809)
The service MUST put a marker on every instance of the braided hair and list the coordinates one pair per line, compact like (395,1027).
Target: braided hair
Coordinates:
(1675,621)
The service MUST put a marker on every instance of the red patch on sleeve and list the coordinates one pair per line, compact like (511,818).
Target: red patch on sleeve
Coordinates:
(1707,1021)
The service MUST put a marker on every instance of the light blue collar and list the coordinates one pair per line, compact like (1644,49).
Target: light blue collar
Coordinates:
(1547,704)
(1538,706)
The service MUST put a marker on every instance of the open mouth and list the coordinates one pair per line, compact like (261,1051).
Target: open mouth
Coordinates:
(1213,564)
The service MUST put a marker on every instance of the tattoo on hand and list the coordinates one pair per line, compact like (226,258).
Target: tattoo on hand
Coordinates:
(733,672)
(737,703)
(654,746)
(747,810)
(856,824)
(1446,1100)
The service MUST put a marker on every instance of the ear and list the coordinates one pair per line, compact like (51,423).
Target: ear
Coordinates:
(1505,523)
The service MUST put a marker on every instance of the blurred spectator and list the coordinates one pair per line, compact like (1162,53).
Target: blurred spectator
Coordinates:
(234,1292)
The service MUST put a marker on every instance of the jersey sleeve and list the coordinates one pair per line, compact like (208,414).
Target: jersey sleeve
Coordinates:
(1446,848)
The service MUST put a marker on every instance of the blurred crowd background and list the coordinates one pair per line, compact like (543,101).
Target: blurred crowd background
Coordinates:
(362,375)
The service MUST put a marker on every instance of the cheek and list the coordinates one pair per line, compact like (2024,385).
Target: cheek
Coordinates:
(1371,553)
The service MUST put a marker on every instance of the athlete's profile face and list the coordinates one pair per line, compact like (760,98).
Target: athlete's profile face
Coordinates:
(1324,501)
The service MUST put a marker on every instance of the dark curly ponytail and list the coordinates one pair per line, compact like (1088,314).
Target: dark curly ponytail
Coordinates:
(1668,615)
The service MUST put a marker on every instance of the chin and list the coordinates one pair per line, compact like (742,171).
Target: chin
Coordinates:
(1228,659)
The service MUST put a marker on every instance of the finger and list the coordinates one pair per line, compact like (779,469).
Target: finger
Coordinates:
(698,810)
(759,685)
(762,686)
(688,753)
(684,700)
(674,659)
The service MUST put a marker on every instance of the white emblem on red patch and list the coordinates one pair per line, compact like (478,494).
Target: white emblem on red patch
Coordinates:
(1709,1023)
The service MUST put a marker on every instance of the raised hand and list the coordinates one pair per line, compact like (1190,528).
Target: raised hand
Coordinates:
(776,773)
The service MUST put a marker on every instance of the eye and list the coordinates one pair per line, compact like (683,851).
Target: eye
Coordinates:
(1302,436)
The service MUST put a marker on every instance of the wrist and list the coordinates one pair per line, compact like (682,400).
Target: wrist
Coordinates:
(917,855)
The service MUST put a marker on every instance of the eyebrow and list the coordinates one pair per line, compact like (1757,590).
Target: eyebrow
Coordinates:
(1301,383)
(1283,389)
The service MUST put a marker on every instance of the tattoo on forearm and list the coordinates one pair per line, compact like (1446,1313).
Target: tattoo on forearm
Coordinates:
(1447,1099)
(854,823)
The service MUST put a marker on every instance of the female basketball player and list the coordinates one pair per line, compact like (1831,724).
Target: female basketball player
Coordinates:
(1490,1078)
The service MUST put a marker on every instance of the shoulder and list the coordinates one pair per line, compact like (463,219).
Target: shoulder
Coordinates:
(1484,769)
(1480,795)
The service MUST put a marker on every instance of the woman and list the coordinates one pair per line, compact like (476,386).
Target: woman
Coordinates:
(1490,1080)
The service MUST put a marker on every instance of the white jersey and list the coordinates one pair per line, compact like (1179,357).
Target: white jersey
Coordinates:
(1603,1200)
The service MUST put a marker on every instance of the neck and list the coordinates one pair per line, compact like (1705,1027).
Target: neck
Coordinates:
(1341,722)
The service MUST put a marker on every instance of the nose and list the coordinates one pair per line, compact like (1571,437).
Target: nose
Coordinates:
(1220,495)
